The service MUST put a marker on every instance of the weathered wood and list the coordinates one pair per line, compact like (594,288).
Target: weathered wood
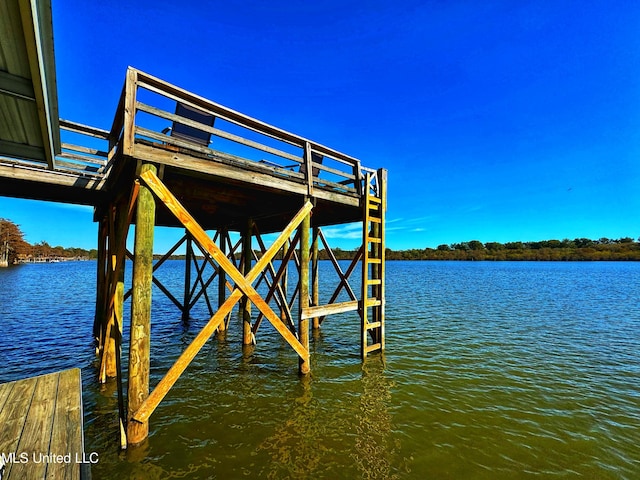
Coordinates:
(84,129)
(187,279)
(381,317)
(108,363)
(223,235)
(245,303)
(242,283)
(243,287)
(281,277)
(41,417)
(365,273)
(129,107)
(101,284)
(315,278)
(217,132)
(373,263)
(303,323)
(66,435)
(330,309)
(171,91)
(277,287)
(139,345)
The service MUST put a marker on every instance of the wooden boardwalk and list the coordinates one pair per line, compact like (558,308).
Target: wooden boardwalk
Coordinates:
(41,428)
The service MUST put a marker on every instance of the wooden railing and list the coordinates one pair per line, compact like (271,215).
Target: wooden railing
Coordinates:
(147,111)
(84,150)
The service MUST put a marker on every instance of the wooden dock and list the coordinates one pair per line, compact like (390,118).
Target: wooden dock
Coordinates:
(175,159)
(41,428)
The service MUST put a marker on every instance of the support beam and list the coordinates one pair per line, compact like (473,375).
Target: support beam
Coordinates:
(243,285)
(138,385)
(303,323)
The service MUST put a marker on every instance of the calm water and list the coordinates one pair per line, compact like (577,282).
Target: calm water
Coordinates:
(492,371)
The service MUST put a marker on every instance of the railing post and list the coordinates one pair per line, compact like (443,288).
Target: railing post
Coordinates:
(308,168)
(129,111)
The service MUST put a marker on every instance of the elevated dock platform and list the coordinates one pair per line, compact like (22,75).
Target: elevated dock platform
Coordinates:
(41,428)
(173,158)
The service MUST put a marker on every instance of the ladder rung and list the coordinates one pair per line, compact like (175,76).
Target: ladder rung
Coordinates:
(374,260)
(375,219)
(374,281)
(374,240)
(371,325)
(377,200)
(372,302)
(373,347)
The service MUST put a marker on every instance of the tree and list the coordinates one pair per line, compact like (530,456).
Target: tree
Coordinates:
(12,242)
(476,245)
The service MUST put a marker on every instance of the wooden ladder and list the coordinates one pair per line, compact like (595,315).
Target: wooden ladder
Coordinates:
(373,264)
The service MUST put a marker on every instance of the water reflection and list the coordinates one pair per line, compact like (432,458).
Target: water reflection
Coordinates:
(312,441)
(375,448)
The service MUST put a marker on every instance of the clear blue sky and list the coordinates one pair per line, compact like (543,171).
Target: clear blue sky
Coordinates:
(497,120)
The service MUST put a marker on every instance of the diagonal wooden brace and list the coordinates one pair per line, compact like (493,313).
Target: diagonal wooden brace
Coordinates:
(243,285)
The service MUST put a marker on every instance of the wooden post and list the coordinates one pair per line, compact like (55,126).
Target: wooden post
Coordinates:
(303,302)
(115,296)
(222,276)
(245,306)
(315,280)
(187,279)
(139,346)
(382,177)
(122,226)
(101,286)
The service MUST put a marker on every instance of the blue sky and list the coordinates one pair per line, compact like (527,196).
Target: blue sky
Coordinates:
(497,120)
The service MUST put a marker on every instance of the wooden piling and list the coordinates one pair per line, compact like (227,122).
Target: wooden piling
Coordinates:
(245,305)
(139,347)
(187,279)
(303,302)
(222,276)
(315,279)
(101,287)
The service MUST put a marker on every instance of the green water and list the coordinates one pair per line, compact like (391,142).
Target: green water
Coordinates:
(492,371)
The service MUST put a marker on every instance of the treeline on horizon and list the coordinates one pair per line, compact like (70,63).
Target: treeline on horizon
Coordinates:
(579,249)
(13,245)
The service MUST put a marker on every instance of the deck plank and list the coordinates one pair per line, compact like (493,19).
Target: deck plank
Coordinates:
(67,422)
(41,420)
(13,416)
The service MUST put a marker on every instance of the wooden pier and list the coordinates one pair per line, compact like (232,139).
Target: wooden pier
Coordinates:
(41,428)
(173,158)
